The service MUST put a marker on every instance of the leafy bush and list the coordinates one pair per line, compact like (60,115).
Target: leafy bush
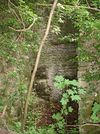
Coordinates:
(72,92)
(96,112)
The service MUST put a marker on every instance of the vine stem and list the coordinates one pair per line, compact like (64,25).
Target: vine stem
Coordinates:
(37,62)
(4,111)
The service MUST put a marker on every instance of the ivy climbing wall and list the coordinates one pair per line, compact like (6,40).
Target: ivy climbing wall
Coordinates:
(92,94)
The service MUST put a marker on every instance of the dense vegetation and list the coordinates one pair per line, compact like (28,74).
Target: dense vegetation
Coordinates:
(20,35)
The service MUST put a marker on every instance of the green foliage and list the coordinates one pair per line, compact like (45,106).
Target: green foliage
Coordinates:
(26,12)
(33,130)
(17,51)
(16,57)
(87,34)
(96,112)
(1,104)
(72,92)
(16,126)
(96,3)
(45,130)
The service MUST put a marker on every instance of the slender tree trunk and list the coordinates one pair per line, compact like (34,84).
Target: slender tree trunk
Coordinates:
(37,62)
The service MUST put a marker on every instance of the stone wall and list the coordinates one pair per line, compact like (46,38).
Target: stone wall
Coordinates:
(55,60)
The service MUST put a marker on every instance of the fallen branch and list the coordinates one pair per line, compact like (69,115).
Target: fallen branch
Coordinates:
(37,62)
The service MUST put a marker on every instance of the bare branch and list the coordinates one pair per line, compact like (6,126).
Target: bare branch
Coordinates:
(84,7)
(12,3)
(4,111)
(85,124)
(14,12)
(19,36)
(91,8)
(87,3)
(20,19)
(24,29)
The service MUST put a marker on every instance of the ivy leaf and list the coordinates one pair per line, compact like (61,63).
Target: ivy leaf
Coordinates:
(67,82)
(97,24)
(75,98)
(59,78)
(70,92)
(64,101)
(96,112)
(82,91)
(60,124)
(65,111)
(74,82)
(59,82)
(59,85)
(65,95)
(96,107)
(57,116)
(95,118)
(70,109)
